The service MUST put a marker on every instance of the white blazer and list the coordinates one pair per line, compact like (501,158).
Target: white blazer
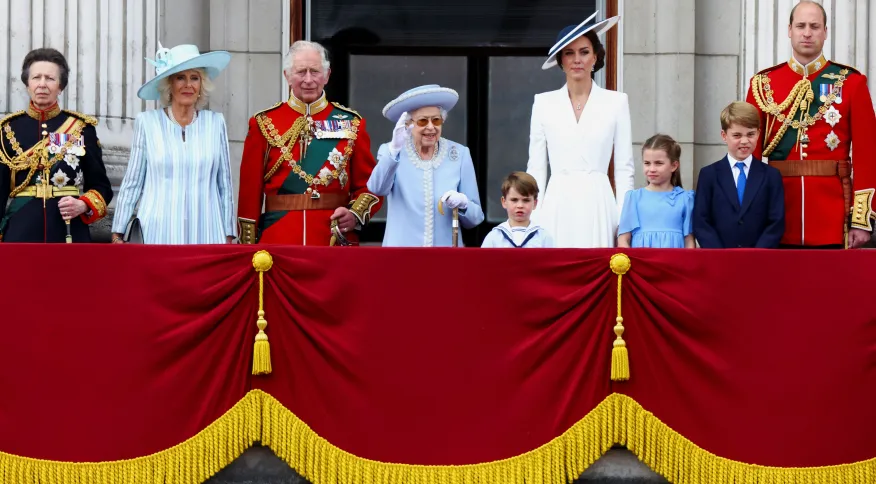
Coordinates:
(583,145)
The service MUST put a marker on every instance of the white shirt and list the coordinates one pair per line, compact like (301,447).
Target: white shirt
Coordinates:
(735,169)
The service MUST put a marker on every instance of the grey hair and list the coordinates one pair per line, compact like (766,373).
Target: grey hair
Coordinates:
(166,93)
(301,45)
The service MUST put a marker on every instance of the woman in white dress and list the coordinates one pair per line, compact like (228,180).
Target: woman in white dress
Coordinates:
(178,178)
(575,130)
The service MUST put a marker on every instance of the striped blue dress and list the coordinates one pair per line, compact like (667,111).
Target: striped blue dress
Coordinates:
(180,190)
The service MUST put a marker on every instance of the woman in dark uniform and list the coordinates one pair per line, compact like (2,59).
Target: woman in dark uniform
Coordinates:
(51,164)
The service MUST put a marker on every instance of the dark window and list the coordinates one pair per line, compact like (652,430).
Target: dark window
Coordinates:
(490,51)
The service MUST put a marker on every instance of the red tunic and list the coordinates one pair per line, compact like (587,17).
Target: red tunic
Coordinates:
(840,111)
(301,194)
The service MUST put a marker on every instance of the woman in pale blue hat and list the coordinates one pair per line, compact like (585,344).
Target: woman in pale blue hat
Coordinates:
(178,178)
(575,130)
(419,168)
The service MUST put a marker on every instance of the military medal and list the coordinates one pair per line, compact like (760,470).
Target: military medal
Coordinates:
(832,116)
(832,141)
(824,90)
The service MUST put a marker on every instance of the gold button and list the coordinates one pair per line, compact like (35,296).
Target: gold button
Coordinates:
(45,125)
(45,133)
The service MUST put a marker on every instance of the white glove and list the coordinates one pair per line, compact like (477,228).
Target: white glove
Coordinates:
(453,199)
(400,135)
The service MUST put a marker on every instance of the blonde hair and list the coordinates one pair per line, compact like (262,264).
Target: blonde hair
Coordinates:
(166,93)
(668,145)
(741,113)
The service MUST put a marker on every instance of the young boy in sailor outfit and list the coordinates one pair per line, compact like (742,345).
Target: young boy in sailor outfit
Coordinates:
(519,198)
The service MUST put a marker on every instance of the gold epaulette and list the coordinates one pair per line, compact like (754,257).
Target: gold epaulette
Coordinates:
(850,68)
(345,108)
(9,116)
(84,117)
(263,111)
(771,68)
(4,159)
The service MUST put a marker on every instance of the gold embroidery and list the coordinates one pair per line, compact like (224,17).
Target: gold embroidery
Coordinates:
(301,108)
(97,202)
(799,98)
(50,113)
(247,230)
(862,209)
(84,117)
(345,108)
(39,153)
(361,208)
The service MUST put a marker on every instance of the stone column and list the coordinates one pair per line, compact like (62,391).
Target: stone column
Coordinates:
(718,30)
(252,30)
(658,74)
(104,43)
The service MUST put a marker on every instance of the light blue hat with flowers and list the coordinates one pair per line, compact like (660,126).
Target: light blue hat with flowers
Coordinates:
(421,97)
(178,59)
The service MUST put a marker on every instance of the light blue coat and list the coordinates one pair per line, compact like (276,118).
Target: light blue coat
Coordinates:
(412,188)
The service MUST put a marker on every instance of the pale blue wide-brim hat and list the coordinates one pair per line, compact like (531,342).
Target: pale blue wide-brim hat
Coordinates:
(421,97)
(182,58)
(572,32)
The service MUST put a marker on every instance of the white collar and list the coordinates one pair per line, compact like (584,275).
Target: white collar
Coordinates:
(733,161)
(506,227)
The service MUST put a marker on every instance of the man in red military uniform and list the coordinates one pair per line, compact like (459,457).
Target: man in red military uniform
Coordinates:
(308,161)
(812,112)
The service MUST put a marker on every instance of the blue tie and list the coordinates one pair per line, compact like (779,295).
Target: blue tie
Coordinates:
(740,182)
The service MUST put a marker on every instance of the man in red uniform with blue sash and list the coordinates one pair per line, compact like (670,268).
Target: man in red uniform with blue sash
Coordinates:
(813,112)
(308,161)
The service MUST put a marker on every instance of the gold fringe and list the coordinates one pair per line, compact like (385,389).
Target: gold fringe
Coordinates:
(620,358)
(261,353)
(260,417)
(191,462)
(616,420)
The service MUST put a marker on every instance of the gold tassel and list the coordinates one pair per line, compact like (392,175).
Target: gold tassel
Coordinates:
(261,355)
(620,358)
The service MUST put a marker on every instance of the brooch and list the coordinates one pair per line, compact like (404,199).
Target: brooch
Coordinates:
(454,154)
(832,141)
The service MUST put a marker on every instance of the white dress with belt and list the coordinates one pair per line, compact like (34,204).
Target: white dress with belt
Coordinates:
(578,207)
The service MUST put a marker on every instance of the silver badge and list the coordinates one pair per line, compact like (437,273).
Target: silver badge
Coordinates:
(454,154)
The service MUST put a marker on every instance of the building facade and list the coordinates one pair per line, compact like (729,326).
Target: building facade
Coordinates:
(680,61)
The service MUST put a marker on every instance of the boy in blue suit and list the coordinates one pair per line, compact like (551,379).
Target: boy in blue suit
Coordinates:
(740,201)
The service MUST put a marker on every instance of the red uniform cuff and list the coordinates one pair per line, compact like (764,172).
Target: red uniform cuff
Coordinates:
(96,205)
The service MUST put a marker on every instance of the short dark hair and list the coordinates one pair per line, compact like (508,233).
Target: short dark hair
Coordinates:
(823,12)
(598,49)
(46,54)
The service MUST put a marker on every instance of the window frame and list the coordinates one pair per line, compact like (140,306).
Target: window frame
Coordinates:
(477,84)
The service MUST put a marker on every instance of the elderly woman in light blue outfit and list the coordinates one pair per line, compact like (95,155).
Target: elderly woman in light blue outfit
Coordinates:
(419,167)
(179,175)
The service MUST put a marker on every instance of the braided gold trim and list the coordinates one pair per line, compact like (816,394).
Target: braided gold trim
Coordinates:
(763,96)
(284,143)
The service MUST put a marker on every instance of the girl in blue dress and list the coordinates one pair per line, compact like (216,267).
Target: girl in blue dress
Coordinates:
(659,215)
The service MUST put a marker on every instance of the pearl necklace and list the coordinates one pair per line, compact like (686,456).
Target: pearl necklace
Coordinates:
(173,118)
(169,112)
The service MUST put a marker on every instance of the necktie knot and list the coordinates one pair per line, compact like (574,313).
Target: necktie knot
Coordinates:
(740,181)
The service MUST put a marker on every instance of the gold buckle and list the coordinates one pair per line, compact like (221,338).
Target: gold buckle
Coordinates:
(44,191)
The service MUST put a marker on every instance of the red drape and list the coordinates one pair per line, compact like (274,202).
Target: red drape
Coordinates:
(437,356)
